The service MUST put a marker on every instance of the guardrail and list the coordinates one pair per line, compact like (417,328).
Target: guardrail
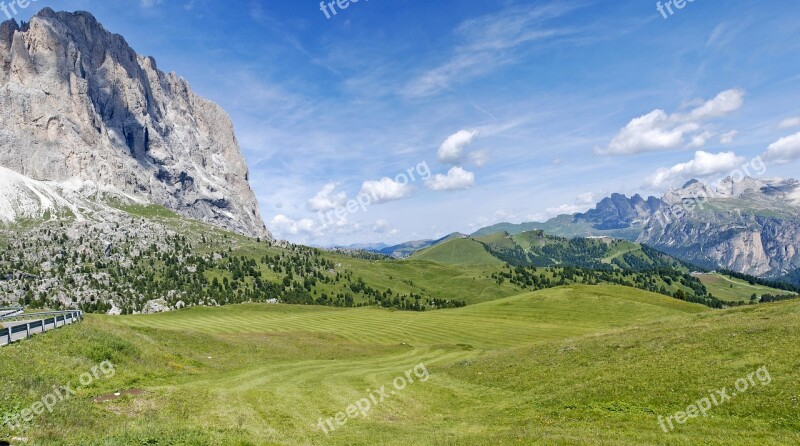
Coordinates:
(35,323)
(10,311)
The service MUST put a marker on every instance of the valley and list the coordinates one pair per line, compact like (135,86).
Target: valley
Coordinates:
(599,243)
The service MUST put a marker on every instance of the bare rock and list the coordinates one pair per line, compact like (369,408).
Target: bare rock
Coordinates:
(79,106)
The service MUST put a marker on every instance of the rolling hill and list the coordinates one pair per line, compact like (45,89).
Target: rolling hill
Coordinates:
(458,251)
(571,365)
(536,248)
(732,289)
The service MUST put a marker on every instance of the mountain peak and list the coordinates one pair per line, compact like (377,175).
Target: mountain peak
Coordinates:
(80,103)
(620,212)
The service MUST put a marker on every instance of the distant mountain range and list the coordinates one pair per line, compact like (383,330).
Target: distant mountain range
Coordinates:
(750,226)
(403,250)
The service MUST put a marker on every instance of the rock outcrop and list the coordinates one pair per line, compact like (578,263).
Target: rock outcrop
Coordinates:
(79,106)
(621,212)
(750,226)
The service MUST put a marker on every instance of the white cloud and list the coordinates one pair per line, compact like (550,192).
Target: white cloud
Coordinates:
(326,199)
(789,123)
(701,139)
(723,104)
(149,3)
(583,202)
(456,179)
(704,164)
(564,209)
(586,198)
(784,150)
(452,149)
(382,227)
(728,137)
(284,226)
(658,130)
(651,132)
(385,190)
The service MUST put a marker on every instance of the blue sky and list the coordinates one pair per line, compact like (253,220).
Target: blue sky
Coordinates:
(512,110)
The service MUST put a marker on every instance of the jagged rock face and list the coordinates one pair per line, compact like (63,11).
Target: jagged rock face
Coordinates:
(621,212)
(77,103)
(750,226)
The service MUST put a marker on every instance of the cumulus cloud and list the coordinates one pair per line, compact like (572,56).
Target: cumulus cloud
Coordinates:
(789,123)
(381,227)
(582,203)
(456,179)
(704,164)
(723,104)
(452,150)
(784,150)
(586,198)
(659,130)
(285,226)
(385,190)
(326,199)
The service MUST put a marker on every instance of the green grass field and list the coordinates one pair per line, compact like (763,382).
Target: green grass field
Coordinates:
(460,251)
(576,365)
(735,290)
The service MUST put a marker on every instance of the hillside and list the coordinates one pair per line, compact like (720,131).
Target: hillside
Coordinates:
(732,289)
(536,248)
(459,251)
(576,362)
(147,258)
(221,364)
(404,250)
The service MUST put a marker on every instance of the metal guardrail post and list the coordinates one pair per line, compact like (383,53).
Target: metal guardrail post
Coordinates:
(65,317)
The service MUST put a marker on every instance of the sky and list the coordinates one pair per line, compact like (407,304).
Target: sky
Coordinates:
(396,120)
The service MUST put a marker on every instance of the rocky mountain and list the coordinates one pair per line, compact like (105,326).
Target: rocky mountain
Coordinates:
(81,111)
(749,225)
(621,212)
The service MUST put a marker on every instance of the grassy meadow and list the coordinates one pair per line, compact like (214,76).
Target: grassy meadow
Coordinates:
(731,289)
(563,366)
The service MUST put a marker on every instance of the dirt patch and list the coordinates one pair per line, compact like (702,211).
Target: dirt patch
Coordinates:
(117,395)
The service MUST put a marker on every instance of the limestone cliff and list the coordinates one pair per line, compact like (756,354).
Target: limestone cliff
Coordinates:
(79,106)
